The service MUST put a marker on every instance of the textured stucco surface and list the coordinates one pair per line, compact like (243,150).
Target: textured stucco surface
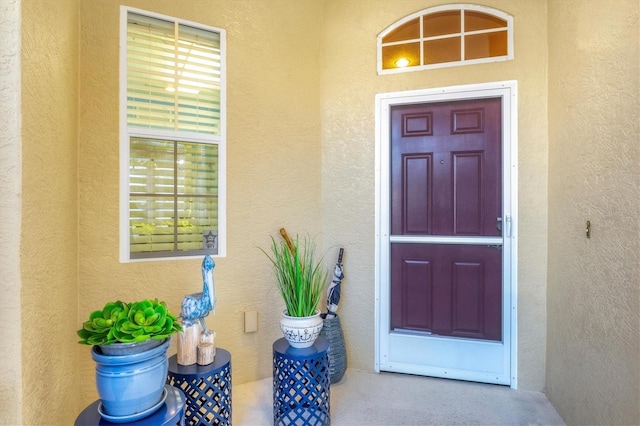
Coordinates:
(301,92)
(273,168)
(593,366)
(10,202)
(349,86)
(49,211)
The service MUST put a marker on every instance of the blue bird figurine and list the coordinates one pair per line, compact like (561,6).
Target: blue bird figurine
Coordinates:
(196,306)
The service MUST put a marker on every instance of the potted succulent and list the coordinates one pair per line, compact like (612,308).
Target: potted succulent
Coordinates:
(301,280)
(130,342)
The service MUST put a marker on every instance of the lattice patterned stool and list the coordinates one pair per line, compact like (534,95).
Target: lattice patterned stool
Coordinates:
(206,387)
(301,385)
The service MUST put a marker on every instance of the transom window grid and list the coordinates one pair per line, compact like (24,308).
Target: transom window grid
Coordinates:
(445,36)
(173,138)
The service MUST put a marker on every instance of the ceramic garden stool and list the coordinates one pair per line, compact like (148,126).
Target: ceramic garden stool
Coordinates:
(301,384)
(170,413)
(206,387)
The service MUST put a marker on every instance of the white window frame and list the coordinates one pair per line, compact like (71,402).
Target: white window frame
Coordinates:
(448,7)
(127,133)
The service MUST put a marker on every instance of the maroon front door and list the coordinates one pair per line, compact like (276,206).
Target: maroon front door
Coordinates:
(446,192)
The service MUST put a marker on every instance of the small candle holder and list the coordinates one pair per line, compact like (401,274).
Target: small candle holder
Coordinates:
(188,341)
(206,348)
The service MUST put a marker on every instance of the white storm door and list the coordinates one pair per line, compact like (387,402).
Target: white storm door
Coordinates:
(428,274)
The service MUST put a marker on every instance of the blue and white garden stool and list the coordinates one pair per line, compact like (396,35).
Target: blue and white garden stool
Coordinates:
(206,387)
(301,384)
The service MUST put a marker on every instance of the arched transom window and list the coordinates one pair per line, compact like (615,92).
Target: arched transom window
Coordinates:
(445,36)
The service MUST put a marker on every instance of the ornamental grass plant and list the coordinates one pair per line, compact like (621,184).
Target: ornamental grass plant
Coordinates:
(300,278)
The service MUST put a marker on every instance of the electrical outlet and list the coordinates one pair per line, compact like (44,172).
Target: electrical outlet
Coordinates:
(250,321)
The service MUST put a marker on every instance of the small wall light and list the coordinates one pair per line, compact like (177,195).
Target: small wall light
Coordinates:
(402,62)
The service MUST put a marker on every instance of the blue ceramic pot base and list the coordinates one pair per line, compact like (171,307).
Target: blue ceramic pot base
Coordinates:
(133,417)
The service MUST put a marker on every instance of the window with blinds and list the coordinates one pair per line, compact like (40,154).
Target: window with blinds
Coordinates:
(173,113)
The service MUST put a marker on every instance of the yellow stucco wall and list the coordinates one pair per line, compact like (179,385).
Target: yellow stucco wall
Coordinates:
(273,168)
(301,91)
(349,86)
(49,251)
(593,365)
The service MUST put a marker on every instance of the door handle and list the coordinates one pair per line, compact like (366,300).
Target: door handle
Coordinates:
(499,224)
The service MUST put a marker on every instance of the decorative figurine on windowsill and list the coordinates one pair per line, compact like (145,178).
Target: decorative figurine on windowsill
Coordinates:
(196,342)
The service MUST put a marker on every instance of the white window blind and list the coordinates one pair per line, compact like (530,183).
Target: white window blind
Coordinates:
(173,76)
(169,180)
(174,120)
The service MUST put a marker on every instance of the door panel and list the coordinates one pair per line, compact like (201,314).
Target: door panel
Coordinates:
(446,168)
(467,193)
(446,181)
(447,290)
(418,193)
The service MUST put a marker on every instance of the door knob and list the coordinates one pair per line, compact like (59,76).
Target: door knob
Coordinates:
(499,224)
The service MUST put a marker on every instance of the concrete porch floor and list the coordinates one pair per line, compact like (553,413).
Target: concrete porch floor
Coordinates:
(364,398)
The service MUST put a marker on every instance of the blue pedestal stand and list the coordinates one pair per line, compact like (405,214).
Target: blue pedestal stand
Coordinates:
(301,384)
(207,388)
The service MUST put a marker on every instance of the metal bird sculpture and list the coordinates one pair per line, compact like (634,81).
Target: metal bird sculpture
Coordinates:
(196,306)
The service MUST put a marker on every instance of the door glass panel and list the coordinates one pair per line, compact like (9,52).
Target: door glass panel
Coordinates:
(406,31)
(442,50)
(474,21)
(442,23)
(485,45)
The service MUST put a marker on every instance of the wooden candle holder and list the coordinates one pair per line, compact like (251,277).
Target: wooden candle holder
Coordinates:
(206,348)
(188,341)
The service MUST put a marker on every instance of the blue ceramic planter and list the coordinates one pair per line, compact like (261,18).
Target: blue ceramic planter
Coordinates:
(131,384)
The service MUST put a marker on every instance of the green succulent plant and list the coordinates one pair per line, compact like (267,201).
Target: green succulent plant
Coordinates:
(120,322)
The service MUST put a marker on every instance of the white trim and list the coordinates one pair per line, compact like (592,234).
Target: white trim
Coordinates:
(447,7)
(140,132)
(125,9)
(127,131)
(507,91)
(436,239)
(123,188)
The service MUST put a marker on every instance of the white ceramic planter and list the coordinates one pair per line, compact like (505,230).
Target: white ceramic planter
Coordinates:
(301,332)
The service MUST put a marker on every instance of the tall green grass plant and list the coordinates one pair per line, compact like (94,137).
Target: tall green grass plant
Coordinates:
(300,278)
